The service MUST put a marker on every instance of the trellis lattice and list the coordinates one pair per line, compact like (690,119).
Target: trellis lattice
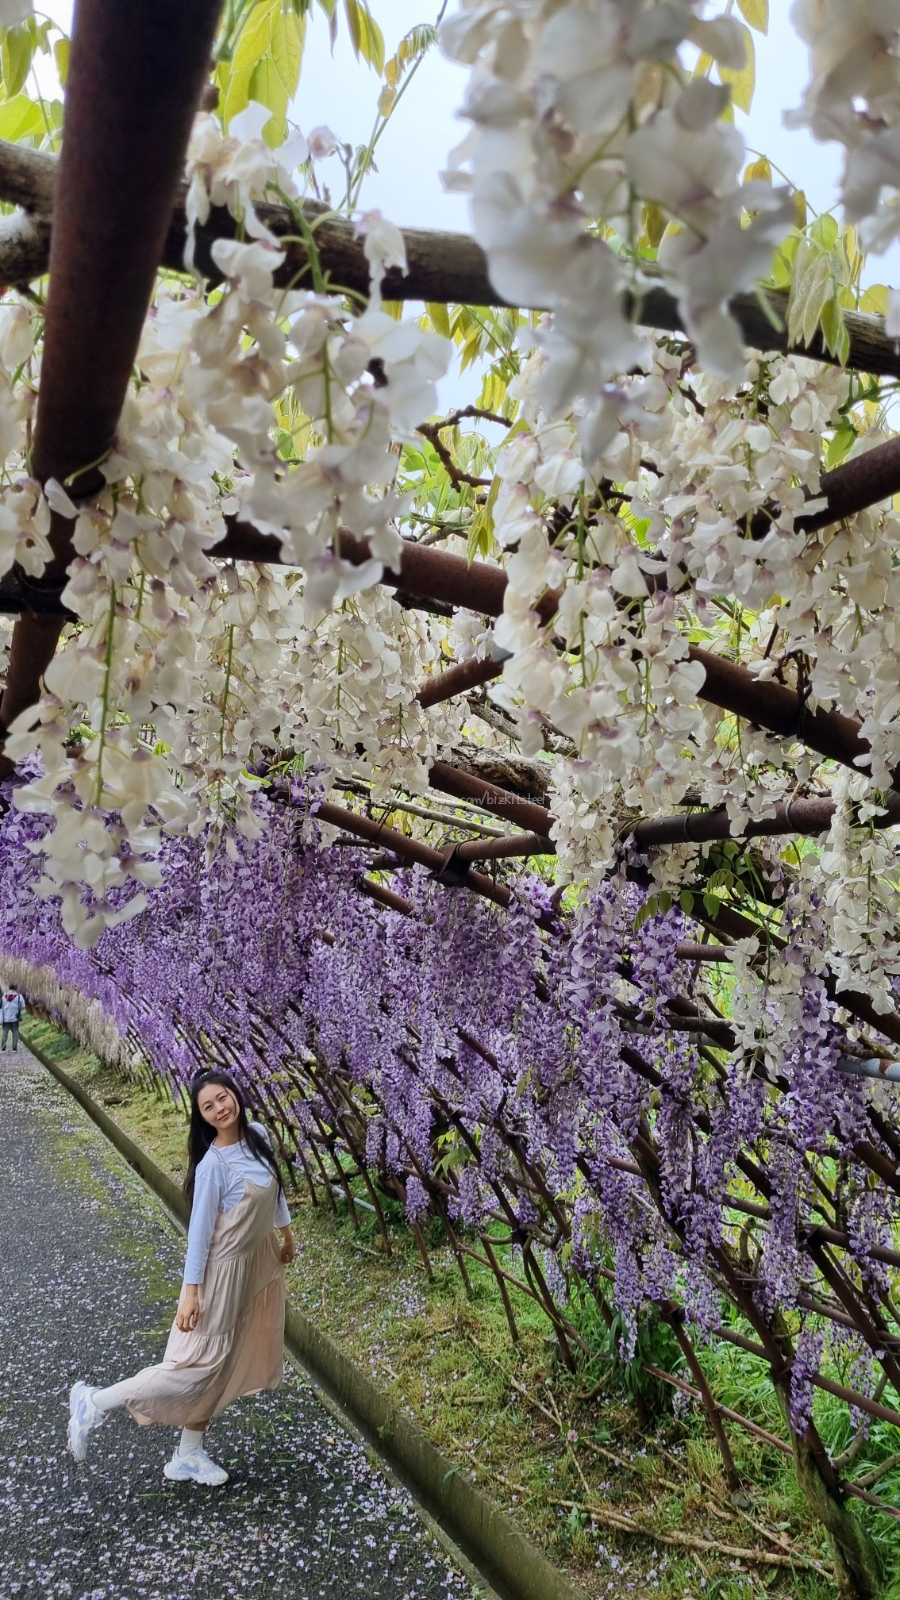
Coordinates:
(606,946)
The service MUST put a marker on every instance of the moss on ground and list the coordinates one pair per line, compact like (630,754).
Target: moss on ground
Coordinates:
(566,1455)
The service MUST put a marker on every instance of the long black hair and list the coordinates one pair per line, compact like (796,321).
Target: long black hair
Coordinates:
(201,1133)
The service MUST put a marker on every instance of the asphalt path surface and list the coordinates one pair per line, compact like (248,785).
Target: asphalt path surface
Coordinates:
(90,1267)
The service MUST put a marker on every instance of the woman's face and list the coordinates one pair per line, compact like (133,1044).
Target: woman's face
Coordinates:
(217,1106)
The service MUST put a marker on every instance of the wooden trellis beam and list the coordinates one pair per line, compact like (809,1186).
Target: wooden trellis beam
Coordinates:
(426,572)
(490,797)
(386,897)
(145,225)
(732,924)
(480,587)
(795,816)
(404,845)
(728,923)
(447,268)
(512,844)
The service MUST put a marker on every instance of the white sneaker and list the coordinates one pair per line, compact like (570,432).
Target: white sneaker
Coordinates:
(198,1467)
(84,1417)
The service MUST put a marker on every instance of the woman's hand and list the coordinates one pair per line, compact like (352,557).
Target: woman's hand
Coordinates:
(288,1248)
(188,1309)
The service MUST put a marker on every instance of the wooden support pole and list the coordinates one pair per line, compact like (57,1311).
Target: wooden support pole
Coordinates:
(136,74)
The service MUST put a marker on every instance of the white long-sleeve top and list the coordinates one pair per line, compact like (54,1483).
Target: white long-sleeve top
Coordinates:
(218,1186)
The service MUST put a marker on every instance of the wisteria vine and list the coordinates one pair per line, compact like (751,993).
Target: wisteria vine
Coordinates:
(489,1073)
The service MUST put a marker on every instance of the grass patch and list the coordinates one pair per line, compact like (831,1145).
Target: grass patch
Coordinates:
(586,1463)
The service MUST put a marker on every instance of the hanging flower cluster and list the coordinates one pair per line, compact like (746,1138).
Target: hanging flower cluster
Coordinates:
(650,487)
(178,668)
(657,484)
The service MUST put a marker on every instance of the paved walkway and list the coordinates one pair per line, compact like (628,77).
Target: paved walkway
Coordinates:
(89,1274)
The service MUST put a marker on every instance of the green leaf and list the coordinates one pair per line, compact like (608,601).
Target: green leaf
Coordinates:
(372,43)
(686,901)
(811,288)
(365,35)
(471,350)
(721,879)
(20,118)
(876,300)
(494,392)
(825,231)
(61,57)
(742,80)
(761,168)
(235,77)
(288,38)
(439,318)
(16,52)
(781,270)
(40,33)
(756,12)
(274,79)
(834,330)
(267,89)
(655,224)
(838,446)
(481,533)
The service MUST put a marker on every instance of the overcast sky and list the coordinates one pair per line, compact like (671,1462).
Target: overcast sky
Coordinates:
(341,92)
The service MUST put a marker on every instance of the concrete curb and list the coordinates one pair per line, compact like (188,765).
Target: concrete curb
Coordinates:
(503,1556)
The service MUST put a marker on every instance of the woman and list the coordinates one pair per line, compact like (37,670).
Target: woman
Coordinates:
(229,1327)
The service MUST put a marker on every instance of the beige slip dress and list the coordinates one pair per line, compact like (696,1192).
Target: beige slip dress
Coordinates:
(236,1347)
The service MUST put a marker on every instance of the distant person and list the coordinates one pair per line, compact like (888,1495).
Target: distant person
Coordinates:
(229,1327)
(11,1008)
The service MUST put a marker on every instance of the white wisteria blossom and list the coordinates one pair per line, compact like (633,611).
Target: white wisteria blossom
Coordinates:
(643,503)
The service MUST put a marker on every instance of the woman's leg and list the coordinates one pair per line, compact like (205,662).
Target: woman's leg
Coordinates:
(111,1399)
(89,1409)
(191,1439)
(190,1463)
(84,1416)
